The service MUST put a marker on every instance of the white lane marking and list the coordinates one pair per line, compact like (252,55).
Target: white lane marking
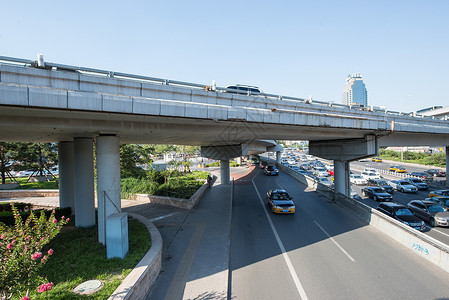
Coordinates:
(298,284)
(163,217)
(335,242)
(433,229)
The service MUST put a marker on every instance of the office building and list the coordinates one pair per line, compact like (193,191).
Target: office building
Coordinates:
(355,91)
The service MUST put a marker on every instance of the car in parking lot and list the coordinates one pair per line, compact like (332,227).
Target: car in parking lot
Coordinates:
(382,184)
(280,202)
(402,214)
(326,181)
(320,172)
(271,170)
(295,168)
(25,173)
(357,179)
(370,175)
(443,201)
(418,183)
(403,186)
(430,212)
(376,159)
(397,169)
(439,193)
(423,176)
(436,172)
(377,193)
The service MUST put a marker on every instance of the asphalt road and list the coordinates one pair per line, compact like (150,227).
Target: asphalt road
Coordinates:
(320,252)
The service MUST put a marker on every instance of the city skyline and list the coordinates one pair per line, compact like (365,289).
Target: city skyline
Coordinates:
(291,48)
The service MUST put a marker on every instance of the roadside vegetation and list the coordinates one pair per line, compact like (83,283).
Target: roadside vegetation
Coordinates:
(422,158)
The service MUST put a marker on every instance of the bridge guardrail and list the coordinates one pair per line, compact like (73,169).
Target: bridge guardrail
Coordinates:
(40,63)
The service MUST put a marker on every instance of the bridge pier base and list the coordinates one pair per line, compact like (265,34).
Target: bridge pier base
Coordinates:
(278,157)
(108,181)
(84,182)
(66,175)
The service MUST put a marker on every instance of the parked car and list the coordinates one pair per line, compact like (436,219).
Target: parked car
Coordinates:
(443,201)
(26,173)
(376,159)
(418,183)
(320,172)
(397,169)
(370,175)
(326,181)
(403,186)
(271,170)
(436,172)
(377,193)
(423,176)
(430,212)
(382,184)
(354,194)
(357,179)
(295,168)
(280,202)
(371,170)
(402,214)
(439,193)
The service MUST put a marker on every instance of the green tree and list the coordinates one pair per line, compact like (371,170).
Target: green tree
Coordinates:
(7,151)
(132,157)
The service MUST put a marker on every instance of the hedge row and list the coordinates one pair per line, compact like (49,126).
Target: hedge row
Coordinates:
(7,217)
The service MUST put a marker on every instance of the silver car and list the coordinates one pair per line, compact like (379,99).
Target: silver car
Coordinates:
(403,186)
(430,212)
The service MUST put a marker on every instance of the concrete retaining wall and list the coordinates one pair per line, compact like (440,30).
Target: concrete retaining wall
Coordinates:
(28,193)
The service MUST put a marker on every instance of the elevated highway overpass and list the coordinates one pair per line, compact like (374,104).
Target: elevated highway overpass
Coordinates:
(48,102)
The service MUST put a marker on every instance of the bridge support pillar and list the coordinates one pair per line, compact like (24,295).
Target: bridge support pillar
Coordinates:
(66,175)
(447,165)
(225,173)
(278,157)
(108,181)
(341,177)
(84,182)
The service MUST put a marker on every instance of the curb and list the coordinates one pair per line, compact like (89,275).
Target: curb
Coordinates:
(138,283)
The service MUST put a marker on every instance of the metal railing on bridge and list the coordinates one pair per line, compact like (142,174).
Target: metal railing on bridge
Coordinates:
(40,63)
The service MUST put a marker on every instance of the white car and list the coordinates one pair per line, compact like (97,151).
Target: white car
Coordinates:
(371,170)
(320,172)
(357,179)
(370,175)
(403,186)
(326,181)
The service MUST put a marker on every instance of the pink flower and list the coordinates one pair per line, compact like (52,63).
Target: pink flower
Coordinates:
(63,217)
(36,256)
(50,252)
(2,236)
(44,287)
(68,219)
(54,221)
(9,246)
(25,298)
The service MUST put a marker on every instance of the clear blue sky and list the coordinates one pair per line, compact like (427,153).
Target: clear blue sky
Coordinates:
(295,48)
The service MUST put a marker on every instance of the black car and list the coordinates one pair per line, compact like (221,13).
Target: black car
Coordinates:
(430,212)
(423,176)
(402,214)
(382,184)
(436,172)
(271,170)
(377,193)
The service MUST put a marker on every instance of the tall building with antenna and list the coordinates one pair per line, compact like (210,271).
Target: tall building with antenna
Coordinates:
(355,91)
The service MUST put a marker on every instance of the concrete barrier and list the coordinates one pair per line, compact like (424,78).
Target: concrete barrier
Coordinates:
(28,193)
(423,245)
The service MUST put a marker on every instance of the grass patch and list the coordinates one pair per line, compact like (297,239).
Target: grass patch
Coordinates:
(45,185)
(79,257)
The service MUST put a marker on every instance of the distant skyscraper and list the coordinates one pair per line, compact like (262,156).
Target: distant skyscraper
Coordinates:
(355,91)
